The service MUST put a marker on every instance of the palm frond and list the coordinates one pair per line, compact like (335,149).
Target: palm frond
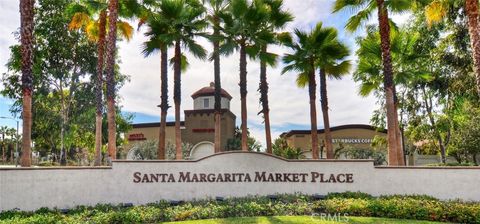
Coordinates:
(125,30)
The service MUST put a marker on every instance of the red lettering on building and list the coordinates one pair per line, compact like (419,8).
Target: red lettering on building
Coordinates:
(136,137)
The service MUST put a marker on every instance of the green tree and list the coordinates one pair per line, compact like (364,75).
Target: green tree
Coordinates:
(157,27)
(437,10)
(282,149)
(26,39)
(277,19)
(365,9)
(332,63)
(236,142)
(213,15)
(242,26)
(63,72)
(110,77)
(318,49)
(466,137)
(187,22)
(84,17)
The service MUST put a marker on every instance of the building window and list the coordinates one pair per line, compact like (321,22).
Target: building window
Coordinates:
(206,103)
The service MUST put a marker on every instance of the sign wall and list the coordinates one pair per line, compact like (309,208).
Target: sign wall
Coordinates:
(232,174)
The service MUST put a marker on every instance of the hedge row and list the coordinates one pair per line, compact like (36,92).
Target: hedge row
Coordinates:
(354,204)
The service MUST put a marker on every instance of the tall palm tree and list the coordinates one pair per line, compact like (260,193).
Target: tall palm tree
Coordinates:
(365,9)
(213,16)
(242,23)
(156,28)
(110,77)
(26,39)
(436,11)
(186,19)
(332,63)
(277,19)
(84,14)
(410,71)
(304,60)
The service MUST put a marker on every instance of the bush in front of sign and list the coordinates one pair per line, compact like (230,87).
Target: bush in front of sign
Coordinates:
(147,150)
(416,207)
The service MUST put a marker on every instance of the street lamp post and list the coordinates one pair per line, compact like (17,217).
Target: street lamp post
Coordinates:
(16,139)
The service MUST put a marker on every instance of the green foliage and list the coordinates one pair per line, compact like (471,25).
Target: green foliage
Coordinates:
(379,156)
(281,148)
(235,142)
(419,207)
(64,70)
(466,139)
(147,150)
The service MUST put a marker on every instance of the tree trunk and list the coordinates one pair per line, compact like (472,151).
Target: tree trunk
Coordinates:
(164,103)
(312,85)
(3,150)
(99,88)
(429,107)
(388,83)
(264,101)
(398,132)
(326,119)
(26,39)
(177,98)
(243,95)
(63,157)
(218,88)
(471,9)
(110,70)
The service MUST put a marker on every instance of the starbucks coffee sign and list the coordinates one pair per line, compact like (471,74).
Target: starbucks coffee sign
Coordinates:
(352,140)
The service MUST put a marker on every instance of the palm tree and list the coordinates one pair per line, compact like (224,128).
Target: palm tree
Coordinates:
(365,9)
(26,39)
(84,18)
(157,28)
(332,63)
(304,60)
(110,78)
(216,8)
(411,72)
(436,11)
(242,23)
(277,19)
(186,19)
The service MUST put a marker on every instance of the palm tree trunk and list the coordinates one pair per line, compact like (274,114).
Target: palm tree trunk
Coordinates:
(471,9)
(164,103)
(388,83)
(326,119)
(26,39)
(312,85)
(99,88)
(264,101)
(110,70)
(177,98)
(243,95)
(218,88)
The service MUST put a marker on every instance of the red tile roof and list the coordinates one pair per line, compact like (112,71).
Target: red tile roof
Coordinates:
(210,91)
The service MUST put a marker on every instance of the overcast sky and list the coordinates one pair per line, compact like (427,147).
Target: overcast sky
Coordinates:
(289,104)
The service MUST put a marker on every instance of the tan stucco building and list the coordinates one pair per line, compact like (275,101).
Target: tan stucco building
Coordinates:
(198,128)
(354,135)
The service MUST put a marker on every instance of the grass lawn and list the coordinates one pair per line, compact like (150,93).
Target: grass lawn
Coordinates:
(298,219)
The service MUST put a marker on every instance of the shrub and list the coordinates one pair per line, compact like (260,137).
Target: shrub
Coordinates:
(418,207)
